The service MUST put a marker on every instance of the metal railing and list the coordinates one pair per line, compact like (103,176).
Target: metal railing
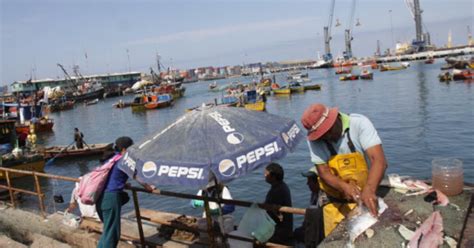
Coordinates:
(38,192)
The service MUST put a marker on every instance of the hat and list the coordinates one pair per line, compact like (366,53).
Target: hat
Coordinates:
(318,119)
(310,173)
(123,143)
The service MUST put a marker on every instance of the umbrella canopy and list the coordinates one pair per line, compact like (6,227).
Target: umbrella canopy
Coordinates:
(222,141)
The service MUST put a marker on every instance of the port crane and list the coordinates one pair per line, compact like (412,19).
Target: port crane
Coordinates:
(348,32)
(67,75)
(327,34)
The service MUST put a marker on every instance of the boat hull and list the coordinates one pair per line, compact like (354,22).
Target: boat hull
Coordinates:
(257,106)
(35,165)
(312,87)
(61,152)
(286,91)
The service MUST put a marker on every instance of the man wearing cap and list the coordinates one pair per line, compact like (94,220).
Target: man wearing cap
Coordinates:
(341,147)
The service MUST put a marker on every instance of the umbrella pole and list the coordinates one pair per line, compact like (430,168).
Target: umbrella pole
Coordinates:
(209,220)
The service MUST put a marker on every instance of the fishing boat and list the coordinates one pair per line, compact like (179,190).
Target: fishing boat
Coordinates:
(366,74)
(343,70)
(71,151)
(30,162)
(60,105)
(254,101)
(159,101)
(92,102)
(213,86)
(42,125)
(255,106)
(401,66)
(430,61)
(122,104)
(282,91)
(349,77)
(16,158)
(296,87)
(312,87)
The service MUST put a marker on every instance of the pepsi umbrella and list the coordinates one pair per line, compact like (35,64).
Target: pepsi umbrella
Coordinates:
(226,142)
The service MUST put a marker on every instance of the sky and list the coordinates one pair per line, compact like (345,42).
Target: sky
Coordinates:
(106,36)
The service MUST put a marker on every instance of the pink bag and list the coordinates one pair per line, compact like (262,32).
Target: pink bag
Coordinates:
(92,184)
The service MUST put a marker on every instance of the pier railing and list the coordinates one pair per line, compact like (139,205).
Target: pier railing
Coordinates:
(40,194)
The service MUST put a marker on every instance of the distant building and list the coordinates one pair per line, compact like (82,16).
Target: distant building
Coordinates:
(107,80)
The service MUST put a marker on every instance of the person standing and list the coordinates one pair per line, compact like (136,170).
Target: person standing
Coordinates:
(279,194)
(341,147)
(109,205)
(78,138)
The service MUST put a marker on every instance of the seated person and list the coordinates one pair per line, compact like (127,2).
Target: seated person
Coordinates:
(279,194)
(217,191)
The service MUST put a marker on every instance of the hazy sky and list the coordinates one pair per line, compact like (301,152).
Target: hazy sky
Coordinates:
(38,34)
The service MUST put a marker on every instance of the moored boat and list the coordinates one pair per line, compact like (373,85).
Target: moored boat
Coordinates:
(312,87)
(17,158)
(366,74)
(42,125)
(349,77)
(159,101)
(71,151)
(296,87)
(31,162)
(401,66)
(256,106)
(92,102)
(282,91)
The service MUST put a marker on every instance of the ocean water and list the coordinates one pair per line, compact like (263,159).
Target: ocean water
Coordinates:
(417,117)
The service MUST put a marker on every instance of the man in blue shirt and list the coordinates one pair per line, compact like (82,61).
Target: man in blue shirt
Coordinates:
(109,205)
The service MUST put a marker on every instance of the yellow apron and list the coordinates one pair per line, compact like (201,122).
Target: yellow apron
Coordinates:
(350,167)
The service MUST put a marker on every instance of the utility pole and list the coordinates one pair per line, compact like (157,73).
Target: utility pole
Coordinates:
(391,26)
(129,65)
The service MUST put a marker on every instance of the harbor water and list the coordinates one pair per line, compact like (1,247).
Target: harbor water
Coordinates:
(417,117)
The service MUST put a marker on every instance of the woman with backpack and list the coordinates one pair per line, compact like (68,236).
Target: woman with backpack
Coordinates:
(109,205)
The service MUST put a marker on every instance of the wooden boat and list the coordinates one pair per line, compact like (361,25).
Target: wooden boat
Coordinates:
(213,86)
(256,106)
(296,88)
(31,162)
(71,151)
(92,102)
(430,61)
(41,126)
(349,77)
(159,101)
(56,106)
(343,71)
(282,91)
(312,87)
(385,67)
(121,104)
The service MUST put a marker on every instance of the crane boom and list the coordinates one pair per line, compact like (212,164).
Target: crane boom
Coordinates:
(67,74)
(348,32)
(327,34)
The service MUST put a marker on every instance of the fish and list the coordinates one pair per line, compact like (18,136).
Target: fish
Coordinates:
(430,233)
(362,220)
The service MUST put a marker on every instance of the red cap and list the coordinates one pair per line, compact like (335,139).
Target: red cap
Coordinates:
(318,119)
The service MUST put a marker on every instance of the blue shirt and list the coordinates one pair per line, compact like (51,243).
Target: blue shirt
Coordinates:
(117,179)
(363,135)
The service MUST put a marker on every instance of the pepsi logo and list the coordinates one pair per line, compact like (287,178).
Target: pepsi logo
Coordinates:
(149,169)
(227,167)
(235,138)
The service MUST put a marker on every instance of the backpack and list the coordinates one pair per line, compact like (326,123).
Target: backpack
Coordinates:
(92,184)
